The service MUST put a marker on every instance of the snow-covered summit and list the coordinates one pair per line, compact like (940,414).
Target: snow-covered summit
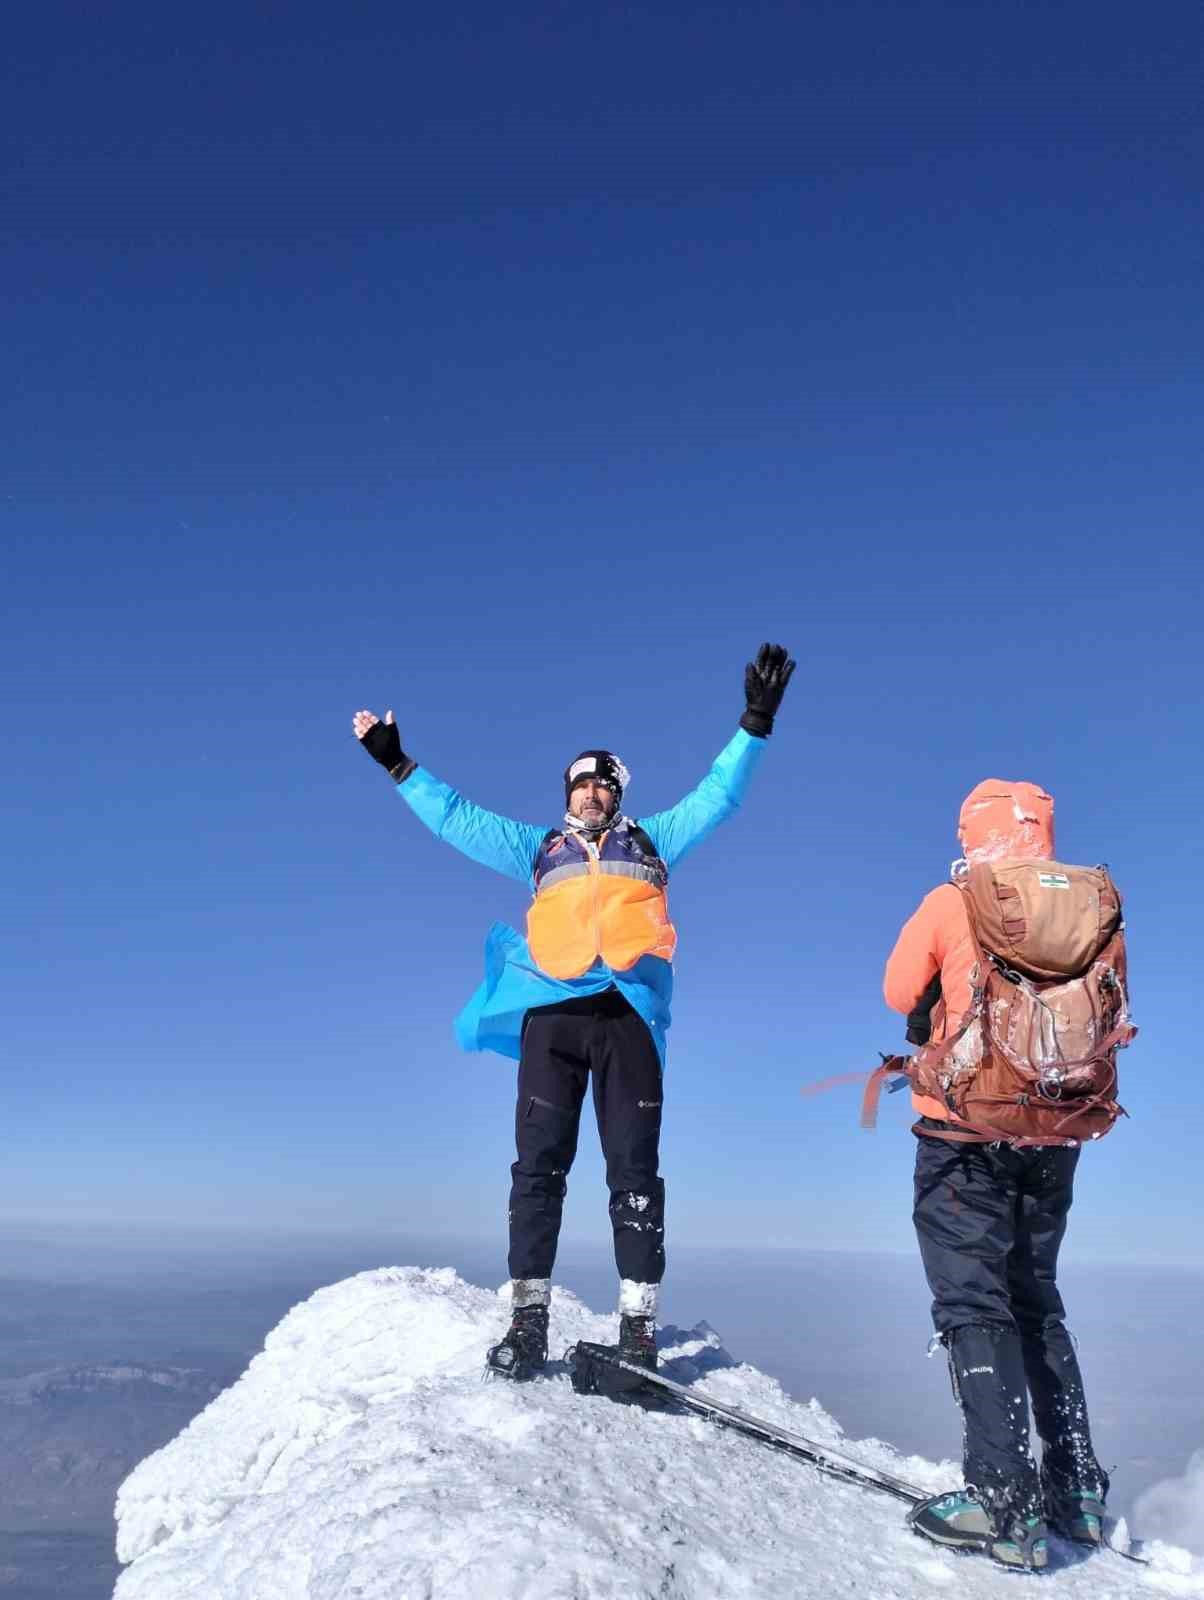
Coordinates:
(361,1455)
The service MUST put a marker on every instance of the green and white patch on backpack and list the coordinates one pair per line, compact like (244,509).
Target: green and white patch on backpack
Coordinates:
(1053,880)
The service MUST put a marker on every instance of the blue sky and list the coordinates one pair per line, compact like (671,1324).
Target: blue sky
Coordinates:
(523,372)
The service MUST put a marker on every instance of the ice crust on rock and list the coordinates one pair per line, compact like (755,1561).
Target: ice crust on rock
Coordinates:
(362,1457)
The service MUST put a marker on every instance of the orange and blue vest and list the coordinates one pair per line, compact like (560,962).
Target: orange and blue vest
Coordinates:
(600,899)
(599,917)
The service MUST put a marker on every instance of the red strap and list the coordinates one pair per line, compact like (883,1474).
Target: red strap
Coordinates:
(892,1067)
(824,1084)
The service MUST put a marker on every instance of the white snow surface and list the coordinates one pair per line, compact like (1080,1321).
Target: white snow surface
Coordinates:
(361,1456)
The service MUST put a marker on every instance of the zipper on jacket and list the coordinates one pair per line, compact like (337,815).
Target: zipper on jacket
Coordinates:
(594,863)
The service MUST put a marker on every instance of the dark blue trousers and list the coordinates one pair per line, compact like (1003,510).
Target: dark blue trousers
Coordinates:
(564,1047)
(990,1222)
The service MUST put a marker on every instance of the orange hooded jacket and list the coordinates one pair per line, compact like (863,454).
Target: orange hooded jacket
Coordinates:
(998,822)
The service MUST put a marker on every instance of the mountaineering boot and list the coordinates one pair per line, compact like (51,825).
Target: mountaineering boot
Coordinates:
(1021,1542)
(522,1354)
(960,1520)
(1074,1511)
(594,1373)
(637,1340)
(1074,1488)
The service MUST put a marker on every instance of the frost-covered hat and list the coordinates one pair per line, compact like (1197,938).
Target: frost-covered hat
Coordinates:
(597,766)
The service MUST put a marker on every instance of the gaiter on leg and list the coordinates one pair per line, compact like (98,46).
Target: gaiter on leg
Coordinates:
(987,1368)
(1055,1384)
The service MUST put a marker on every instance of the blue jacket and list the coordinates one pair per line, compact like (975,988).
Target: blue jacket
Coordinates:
(513,983)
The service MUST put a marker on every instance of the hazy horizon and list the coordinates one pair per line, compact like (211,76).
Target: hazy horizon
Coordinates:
(849,1327)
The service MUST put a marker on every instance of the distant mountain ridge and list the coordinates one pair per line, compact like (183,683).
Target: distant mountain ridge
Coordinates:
(93,1379)
(70,1434)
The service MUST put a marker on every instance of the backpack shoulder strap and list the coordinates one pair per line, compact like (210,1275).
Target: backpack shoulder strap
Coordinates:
(978,972)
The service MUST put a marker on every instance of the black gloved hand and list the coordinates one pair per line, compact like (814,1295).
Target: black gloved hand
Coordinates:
(765,681)
(383,743)
(919,1018)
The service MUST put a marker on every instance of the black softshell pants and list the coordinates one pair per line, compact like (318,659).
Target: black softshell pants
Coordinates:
(990,1222)
(563,1046)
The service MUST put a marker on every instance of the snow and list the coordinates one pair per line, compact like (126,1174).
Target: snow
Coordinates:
(530,1292)
(361,1456)
(638,1299)
(1174,1509)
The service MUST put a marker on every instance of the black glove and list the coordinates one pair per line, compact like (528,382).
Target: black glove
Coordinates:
(919,1018)
(765,681)
(383,743)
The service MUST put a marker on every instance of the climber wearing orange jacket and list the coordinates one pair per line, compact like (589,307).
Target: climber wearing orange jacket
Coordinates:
(998,821)
(990,1221)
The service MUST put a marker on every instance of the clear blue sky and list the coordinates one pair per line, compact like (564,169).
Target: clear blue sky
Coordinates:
(523,368)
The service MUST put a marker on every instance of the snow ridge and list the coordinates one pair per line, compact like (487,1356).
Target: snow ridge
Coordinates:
(362,1457)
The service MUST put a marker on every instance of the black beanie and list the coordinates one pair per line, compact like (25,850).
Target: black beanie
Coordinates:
(596,766)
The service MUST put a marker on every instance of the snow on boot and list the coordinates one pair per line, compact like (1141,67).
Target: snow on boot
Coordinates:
(960,1520)
(523,1353)
(637,1340)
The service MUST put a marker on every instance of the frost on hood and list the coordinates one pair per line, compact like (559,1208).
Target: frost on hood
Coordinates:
(1002,821)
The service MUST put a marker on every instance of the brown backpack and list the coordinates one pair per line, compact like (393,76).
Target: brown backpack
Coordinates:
(1034,1061)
